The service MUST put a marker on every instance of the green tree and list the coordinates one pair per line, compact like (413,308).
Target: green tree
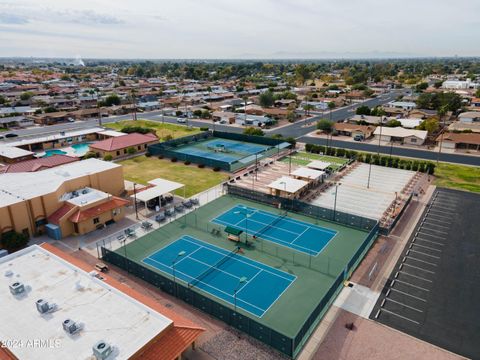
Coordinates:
(421,87)
(291,116)
(325,125)
(112,99)
(431,125)
(266,99)
(253,131)
(393,123)
(363,110)
(477,93)
(27,95)
(131,150)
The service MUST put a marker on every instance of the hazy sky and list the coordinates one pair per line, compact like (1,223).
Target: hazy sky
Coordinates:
(238,29)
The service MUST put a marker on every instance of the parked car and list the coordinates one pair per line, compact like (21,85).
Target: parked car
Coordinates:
(181,121)
(101,267)
(71,120)
(358,137)
(11,135)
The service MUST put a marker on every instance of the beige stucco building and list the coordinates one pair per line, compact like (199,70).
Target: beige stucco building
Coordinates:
(28,200)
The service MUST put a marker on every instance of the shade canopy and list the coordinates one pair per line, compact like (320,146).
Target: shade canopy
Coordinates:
(161,187)
(288,184)
(317,164)
(233,231)
(307,173)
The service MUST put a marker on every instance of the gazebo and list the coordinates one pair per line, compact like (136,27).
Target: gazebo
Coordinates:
(159,188)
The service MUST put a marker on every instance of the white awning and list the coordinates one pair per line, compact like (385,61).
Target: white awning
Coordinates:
(307,173)
(161,187)
(317,164)
(288,184)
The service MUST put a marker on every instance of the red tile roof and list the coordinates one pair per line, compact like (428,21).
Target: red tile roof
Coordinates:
(113,203)
(57,215)
(172,342)
(122,142)
(38,164)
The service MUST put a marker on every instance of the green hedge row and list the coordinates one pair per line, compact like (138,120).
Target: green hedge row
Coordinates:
(382,160)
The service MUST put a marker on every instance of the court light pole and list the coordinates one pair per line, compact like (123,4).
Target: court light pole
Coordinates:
(179,255)
(335,202)
(135,199)
(242,280)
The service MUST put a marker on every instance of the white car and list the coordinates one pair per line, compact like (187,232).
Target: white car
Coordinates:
(181,121)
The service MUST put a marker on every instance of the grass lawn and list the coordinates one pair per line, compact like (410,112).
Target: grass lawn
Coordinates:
(458,177)
(142,169)
(162,129)
(303,158)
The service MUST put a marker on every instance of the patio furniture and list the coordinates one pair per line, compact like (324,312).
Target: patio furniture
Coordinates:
(169,198)
(179,207)
(160,217)
(146,225)
(130,232)
(170,211)
(188,204)
(195,201)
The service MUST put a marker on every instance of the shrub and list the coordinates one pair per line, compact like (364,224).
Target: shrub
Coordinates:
(168,137)
(204,129)
(135,129)
(160,156)
(187,162)
(174,159)
(216,169)
(201,166)
(415,166)
(90,155)
(340,152)
(131,150)
(108,157)
(147,154)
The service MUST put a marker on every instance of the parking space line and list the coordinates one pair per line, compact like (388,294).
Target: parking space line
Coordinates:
(425,254)
(415,276)
(429,215)
(435,230)
(429,241)
(407,306)
(433,236)
(400,316)
(423,246)
(406,283)
(407,294)
(419,268)
(426,262)
(440,211)
(427,222)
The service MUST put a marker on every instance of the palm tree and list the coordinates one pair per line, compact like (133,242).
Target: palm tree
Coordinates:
(133,97)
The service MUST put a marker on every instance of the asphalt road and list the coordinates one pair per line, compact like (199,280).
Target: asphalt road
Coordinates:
(396,151)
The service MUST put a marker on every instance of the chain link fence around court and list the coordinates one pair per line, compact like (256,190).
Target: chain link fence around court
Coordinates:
(310,210)
(286,345)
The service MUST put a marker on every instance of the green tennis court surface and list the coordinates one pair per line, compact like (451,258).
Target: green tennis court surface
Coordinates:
(290,307)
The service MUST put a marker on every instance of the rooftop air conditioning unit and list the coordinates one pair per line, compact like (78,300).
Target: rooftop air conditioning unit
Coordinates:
(45,307)
(71,327)
(102,350)
(17,288)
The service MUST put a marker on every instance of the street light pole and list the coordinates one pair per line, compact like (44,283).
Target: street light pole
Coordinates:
(335,202)
(135,199)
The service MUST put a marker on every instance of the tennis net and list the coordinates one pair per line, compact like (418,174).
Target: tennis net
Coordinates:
(212,268)
(272,224)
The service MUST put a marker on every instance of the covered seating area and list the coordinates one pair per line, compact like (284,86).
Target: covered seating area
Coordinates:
(160,198)
(287,187)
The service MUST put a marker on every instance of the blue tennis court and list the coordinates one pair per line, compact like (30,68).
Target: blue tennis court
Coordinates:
(220,273)
(235,150)
(280,229)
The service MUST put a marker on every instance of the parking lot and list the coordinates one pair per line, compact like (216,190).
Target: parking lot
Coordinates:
(431,293)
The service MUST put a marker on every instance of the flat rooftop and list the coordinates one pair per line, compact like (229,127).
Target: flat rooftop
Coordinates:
(106,313)
(16,187)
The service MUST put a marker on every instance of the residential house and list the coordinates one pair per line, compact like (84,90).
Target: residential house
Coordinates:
(39,164)
(224,116)
(119,146)
(404,105)
(353,130)
(401,135)
(10,154)
(460,85)
(460,141)
(253,120)
(15,121)
(469,117)
(475,102)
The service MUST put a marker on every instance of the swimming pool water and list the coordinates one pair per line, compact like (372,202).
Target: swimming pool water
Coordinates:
(49,153)
(80,149)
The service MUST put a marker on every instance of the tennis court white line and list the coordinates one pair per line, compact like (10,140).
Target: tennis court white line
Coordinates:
(415,276)
(279,242)
(299,235)
(400,316)
(248,281)
(208,285)
(407,306)
(241,260)
(404,293)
